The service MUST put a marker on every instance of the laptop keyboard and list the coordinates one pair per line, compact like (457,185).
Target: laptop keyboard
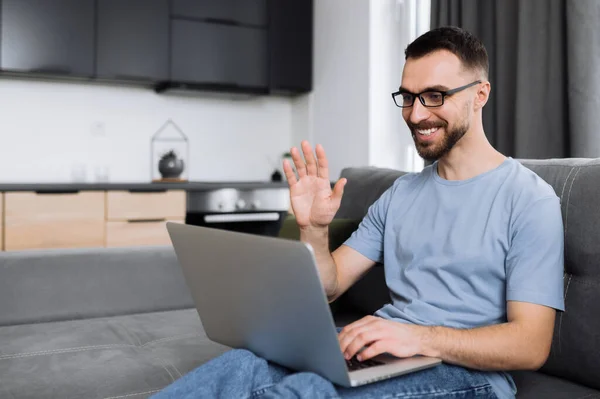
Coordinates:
(355,364)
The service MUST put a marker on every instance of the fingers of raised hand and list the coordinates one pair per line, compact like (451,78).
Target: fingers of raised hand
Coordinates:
(289,172)
(309,156)
(298,162)
(338,190)
(323,165)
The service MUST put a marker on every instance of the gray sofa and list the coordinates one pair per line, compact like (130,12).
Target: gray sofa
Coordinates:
(120,323)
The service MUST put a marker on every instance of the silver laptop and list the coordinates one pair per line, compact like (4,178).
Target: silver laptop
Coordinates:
(264,294)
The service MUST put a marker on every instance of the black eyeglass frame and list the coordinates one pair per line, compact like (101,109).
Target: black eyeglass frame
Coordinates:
(418,95)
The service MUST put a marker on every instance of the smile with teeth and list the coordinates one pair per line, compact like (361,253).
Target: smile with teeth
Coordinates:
(427,132)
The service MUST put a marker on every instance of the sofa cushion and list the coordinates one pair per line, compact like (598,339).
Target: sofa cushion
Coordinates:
(534,385)
(50,285)
(133,355)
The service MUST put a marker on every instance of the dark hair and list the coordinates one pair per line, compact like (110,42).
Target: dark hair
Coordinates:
(468,48)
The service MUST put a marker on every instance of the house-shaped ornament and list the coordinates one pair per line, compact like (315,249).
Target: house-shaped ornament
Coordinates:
(169,154)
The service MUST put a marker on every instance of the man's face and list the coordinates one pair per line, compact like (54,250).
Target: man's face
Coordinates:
(436,130)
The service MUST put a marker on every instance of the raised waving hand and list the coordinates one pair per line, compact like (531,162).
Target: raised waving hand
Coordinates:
(313,201)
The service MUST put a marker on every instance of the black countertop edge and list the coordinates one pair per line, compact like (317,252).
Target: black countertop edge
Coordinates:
(139,186)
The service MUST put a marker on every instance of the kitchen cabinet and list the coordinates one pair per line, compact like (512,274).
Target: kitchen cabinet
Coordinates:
(133,40)
(218,54)
(245,12)
(113,218)
(139,218)
(138,233)
(50,37)
(290,45)
(53,220)
(127,205)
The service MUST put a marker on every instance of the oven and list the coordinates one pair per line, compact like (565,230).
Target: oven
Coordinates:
(248,210)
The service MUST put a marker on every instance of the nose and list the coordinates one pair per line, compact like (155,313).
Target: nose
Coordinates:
(418,112)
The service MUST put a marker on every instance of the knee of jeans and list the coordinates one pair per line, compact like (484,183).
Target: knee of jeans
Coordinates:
(239,355)
(303,384)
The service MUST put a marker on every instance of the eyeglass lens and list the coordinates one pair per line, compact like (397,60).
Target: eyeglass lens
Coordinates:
(428,99)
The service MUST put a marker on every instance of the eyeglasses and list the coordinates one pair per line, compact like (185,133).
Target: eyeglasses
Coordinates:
(429,98)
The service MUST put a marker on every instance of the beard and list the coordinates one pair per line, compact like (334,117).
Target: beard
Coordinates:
(433,150)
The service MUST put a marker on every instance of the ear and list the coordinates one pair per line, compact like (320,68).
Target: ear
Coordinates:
(482,96)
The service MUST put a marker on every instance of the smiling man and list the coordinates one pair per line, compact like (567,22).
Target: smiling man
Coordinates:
(472,248)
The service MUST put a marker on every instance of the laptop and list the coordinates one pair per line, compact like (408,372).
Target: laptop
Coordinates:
(264,294)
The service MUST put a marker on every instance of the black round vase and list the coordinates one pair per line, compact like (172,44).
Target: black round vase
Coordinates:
(170,167)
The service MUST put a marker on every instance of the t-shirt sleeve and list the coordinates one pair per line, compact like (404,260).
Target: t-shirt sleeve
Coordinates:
(368,238)
(535,260)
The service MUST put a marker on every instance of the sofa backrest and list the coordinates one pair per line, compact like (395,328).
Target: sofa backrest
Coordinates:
(52,285)
(365,185)
(575,350)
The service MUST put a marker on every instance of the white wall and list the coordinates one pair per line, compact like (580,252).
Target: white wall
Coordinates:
(340,102)
(49,128)
(359,55)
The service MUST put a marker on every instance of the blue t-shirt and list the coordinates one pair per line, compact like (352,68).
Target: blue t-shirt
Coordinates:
(455,251)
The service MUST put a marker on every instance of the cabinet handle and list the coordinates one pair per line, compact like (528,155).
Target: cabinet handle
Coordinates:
(222,21)
(146,220)
(147,190)
(55,192)
(55,70)
(132,77)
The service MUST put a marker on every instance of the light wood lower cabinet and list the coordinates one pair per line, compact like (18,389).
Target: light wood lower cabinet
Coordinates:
(126,205)
(36,221)
(136,233)
(30,220)
(134,219)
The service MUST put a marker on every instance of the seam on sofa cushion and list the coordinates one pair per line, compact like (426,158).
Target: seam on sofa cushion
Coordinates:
(567,212)
(162,364)
(568,283)
(84,348)
(64,350)
(562,194)
(133,394)
(172,365)
(171,338)
(561,313)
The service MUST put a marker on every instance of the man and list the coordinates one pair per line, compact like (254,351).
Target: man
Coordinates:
(472,248)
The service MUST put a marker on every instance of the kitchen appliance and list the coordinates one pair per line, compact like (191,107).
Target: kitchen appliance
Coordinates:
(246,210)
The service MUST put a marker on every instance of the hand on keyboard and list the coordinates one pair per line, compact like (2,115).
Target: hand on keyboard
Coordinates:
(355,364)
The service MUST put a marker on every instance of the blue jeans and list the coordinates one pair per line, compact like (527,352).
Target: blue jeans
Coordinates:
(239,373)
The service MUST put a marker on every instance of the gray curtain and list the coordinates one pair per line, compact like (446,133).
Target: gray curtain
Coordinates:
(583,55)
(542,54)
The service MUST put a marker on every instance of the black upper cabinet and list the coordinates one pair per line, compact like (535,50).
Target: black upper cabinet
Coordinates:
(133,39)
(258,46)
(245,12)
(50,37)
(218,55)
(290,45)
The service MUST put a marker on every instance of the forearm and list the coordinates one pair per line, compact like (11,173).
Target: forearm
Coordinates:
(499,347)
(319,240)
